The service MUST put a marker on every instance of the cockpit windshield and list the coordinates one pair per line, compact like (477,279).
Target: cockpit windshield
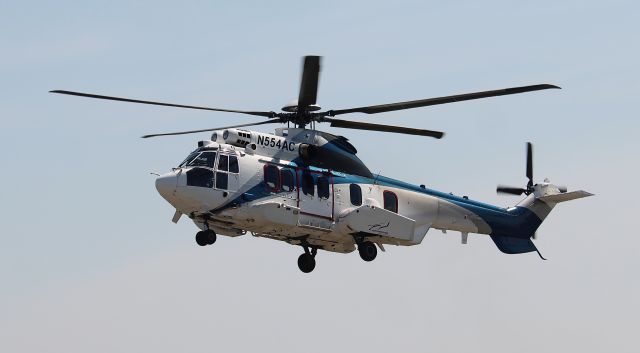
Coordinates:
(200,159)
(190,157)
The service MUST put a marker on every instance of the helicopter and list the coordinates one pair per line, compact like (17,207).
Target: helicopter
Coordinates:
(308,188)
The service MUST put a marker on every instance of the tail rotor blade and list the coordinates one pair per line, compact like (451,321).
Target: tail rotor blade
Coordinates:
(502,189)
(530,164)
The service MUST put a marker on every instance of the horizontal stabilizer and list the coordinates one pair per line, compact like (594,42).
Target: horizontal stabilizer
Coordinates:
(567,196)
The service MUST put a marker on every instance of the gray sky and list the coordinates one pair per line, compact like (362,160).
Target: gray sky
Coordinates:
(91,262)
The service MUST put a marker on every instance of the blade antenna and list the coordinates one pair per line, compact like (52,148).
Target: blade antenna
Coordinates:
(530,166)
(539,254)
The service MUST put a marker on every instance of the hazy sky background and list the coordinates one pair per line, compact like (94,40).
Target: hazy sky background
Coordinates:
(90,261)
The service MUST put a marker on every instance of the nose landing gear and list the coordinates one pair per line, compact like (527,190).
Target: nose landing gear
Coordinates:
(206,237)
(307,261)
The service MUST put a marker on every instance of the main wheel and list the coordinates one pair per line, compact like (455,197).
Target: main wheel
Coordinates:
(210,236)
(367,250)
(306,263)
(202,238)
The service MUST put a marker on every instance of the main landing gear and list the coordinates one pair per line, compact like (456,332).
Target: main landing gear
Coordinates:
(367,251)
(307,261)
(206,237)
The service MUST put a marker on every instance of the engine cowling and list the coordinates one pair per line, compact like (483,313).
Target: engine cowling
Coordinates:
(332,158)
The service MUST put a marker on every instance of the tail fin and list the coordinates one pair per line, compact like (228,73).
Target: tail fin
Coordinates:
(513,234)
(540,203)
(546,196)
(512,245)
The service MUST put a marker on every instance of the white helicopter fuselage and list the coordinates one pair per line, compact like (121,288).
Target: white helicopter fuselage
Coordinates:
(244,181)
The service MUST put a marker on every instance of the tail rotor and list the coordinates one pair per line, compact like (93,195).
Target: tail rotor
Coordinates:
(504,189)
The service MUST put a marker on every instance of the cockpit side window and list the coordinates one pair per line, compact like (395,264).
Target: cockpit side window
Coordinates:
(223,163)
(227,164)
(233,164)
(222,181)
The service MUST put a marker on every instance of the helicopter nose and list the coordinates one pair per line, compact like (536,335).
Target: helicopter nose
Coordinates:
(166,185)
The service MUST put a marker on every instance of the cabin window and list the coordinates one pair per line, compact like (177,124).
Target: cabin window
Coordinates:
(356,194)
(390,201)
(233,164)
(223,163)
(200,177)
(307,184)
(287,180)
(272,177)
(222,181)
(323,187)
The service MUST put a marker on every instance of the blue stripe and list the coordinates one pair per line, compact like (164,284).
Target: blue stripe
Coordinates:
(516,222)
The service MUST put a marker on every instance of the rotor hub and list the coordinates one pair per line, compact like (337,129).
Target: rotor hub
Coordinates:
(293,107)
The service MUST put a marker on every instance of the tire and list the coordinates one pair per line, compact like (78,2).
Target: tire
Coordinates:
(202,238)
(306,263)
(367,251)
(210,236)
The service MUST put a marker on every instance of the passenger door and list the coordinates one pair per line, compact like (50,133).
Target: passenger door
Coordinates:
(315,193)
(281,182)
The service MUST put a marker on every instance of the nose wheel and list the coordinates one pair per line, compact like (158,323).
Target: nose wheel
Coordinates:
(206,237)
(307,261)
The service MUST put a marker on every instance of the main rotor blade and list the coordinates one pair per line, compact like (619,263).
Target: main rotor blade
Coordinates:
(501,189)
(217,128)
(309,82)
(374,109)
(530,164)
(378,127)
(89,95)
